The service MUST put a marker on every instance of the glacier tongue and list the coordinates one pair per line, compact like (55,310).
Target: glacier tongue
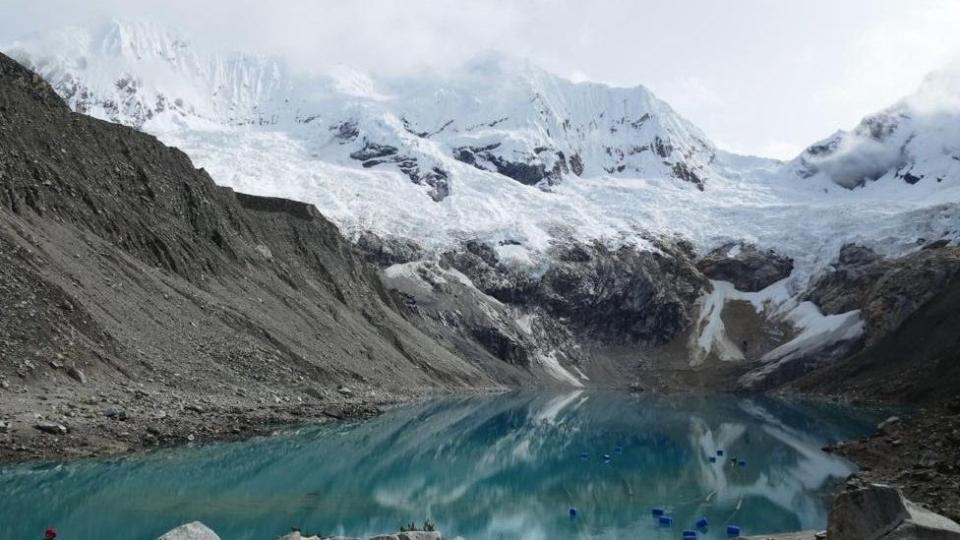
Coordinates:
(500,150)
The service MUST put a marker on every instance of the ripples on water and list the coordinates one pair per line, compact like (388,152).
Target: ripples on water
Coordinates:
(505,466)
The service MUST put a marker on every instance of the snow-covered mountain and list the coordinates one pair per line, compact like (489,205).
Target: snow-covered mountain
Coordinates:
(495,113)
(916,141)
(500,150)
(536,217)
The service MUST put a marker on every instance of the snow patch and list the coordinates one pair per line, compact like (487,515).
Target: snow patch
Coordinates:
(524,323)
(554,369)
(816,331)
(712,336)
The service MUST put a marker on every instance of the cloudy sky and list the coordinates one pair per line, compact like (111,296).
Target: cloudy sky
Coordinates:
(765,77)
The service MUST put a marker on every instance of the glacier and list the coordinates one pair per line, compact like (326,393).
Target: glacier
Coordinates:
(507,153)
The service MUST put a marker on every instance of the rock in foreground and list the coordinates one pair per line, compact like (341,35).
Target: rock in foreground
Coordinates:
(191,531)
(878,511)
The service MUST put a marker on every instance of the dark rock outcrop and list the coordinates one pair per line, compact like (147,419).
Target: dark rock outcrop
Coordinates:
(608,293)
(917,363)
(373,154)
(887,291)
(624,292)
(387,251)
(528,170)
(746,266)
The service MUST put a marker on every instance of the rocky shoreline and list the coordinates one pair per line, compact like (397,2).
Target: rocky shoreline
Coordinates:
(56,426)
(918,453)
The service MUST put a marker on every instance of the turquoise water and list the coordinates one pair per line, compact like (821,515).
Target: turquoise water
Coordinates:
(505,466)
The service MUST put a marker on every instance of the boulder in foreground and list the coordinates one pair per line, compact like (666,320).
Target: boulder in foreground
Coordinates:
(876,511)
(190,531)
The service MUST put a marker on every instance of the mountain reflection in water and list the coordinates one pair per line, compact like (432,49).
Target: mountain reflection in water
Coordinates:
(501,466)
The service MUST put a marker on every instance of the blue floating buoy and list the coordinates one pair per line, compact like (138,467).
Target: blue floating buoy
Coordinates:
(733,530)
(584,456)
(689,535)
(573,513)
(742,463)
(702,523)
(618,450)
(665,521)
(713,459)
(656,511)
(719,452)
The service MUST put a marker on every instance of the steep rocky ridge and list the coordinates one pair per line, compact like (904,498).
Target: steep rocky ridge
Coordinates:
(130,278)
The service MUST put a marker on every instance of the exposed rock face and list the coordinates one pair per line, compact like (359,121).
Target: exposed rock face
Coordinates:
(587,296)
(873,300)
(190,531)
(624,292)
(384,252)
(877,511)
(479,262)
(886,290)
(917,363)
(782,367)
(544,167)
(448,307)
(609,293)
(373,154)
(746,266)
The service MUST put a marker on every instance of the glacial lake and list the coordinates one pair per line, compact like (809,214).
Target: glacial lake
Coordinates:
(508,466)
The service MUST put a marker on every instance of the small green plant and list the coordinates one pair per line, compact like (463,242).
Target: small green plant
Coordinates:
(428,526)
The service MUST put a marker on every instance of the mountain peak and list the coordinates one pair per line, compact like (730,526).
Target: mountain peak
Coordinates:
(140,38)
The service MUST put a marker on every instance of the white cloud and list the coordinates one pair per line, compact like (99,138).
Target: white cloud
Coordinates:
(758,76)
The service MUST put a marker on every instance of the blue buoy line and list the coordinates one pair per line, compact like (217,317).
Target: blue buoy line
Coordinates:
(733,531)
(702,523)
(689,535)
(656,511)
(665,521)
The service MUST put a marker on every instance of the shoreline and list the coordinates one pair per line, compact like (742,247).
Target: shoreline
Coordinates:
(131,437)
(102,426)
